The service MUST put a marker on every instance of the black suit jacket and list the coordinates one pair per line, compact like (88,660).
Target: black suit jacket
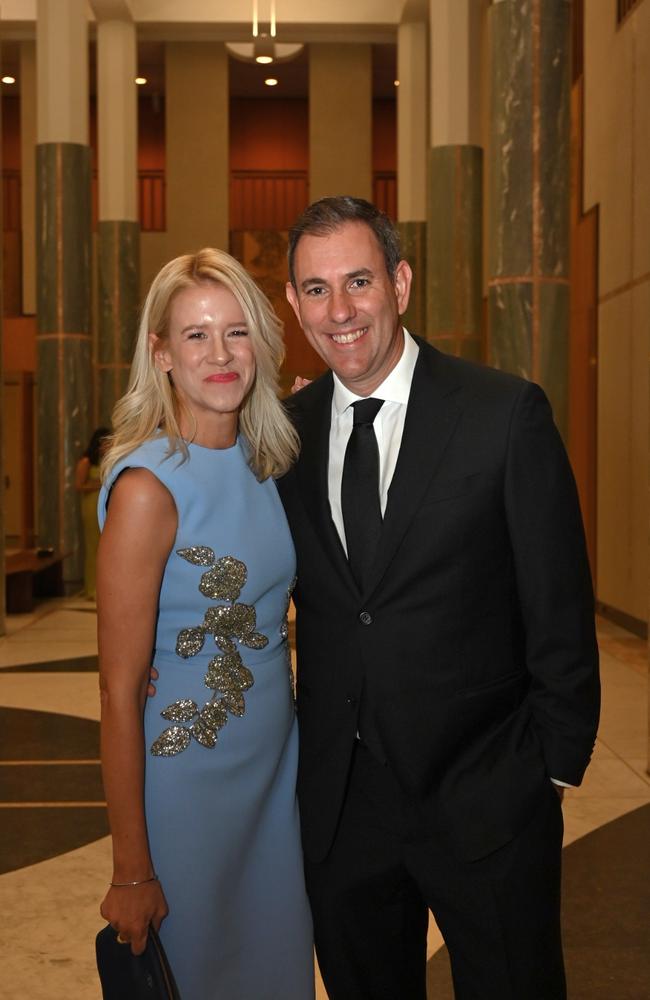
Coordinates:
(473,643)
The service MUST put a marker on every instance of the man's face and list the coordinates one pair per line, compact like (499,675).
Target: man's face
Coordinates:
(348,306)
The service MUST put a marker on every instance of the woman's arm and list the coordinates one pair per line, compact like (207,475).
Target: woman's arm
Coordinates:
(133,550)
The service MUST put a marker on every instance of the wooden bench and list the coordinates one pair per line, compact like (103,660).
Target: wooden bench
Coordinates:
(29,575)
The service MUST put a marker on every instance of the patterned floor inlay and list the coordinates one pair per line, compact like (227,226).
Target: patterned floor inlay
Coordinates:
(606,915)
(51,796)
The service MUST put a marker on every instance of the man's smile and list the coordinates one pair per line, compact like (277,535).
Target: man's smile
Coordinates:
(348,338)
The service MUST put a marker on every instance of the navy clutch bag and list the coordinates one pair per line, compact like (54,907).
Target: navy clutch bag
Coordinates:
(125,976)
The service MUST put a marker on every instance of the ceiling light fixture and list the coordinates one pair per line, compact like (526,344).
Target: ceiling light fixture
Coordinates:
(264,49)
(140,80)
(8,79)
(271,81)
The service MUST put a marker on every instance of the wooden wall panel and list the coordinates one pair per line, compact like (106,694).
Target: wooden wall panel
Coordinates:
(583,338)
(266,200)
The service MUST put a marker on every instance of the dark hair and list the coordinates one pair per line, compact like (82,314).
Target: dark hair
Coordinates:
(93,451)
(328,214)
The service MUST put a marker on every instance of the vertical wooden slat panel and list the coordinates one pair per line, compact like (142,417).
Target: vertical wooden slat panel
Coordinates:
(266,199)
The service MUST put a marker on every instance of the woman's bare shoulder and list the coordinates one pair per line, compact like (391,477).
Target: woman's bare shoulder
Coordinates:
(141,505)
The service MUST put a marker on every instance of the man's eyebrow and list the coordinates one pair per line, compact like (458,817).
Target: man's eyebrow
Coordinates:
(362,272)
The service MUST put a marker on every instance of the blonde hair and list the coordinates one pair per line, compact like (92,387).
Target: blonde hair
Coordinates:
(150,406)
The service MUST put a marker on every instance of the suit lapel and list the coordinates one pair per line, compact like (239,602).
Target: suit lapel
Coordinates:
(432,414)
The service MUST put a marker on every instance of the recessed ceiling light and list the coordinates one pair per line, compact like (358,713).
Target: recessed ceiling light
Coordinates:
(396,82)
(140,80)
(271,81)
(8,79)
(264,60)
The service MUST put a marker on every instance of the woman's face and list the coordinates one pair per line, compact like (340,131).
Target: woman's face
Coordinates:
(209,354)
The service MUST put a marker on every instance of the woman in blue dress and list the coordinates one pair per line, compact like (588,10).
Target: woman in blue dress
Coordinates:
(196,564)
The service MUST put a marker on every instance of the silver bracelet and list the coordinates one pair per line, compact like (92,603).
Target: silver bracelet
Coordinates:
(123,885)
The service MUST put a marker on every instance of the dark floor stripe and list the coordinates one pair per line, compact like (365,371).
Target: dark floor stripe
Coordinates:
(606,915)
(51,795)
(51,783)
(70,665)
(29,735)
(28,836)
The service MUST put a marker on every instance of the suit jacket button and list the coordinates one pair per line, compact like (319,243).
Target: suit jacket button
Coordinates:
(365,618)
(351,701)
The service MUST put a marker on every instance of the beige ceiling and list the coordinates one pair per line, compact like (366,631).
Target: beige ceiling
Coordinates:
(158,21)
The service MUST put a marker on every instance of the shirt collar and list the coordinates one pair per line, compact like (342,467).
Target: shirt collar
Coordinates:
(395,387)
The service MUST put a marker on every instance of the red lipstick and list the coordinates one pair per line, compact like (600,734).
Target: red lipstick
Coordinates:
(222,377)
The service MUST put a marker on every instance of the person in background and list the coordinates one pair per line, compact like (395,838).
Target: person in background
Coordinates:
(87,482)
(197,564)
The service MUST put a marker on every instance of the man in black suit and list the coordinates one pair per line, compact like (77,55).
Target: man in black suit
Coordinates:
(447,663)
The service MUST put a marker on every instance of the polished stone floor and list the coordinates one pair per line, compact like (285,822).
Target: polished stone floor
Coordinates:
(54,852)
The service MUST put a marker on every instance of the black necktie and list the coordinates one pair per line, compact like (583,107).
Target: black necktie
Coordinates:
(360,490)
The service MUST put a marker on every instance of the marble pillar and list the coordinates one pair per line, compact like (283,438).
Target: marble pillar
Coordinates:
(529,194)
(340,121)
(412,145)
(63,274)
(455,181)
(118,230)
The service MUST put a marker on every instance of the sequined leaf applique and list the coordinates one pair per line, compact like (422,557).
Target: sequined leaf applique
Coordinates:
(172,741)
(190,641)
(226,673)
(180,711)
(213,717)
(203,734)
(234,702)
(255,640)
(238,621)
(198,555)
(224,582)
(214,714)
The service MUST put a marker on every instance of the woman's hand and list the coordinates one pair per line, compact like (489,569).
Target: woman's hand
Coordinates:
(130,909)
(151,687)
(299,384)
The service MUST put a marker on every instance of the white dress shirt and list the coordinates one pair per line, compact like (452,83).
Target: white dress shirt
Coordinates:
(388,428)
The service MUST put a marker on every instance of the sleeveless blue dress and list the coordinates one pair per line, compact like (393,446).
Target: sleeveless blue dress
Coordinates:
(221,735)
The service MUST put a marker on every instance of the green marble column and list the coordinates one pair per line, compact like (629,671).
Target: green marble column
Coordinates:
(63,342)
(529,194)
(454,248)
(414,249)
(118,247)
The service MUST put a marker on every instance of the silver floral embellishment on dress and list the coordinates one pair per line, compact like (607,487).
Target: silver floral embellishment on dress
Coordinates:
(230,625)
